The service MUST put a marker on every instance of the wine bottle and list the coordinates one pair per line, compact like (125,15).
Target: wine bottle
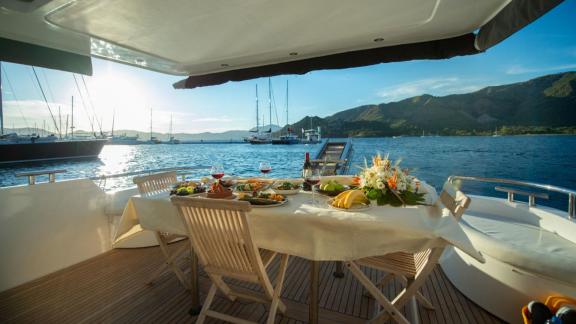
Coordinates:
(307,167)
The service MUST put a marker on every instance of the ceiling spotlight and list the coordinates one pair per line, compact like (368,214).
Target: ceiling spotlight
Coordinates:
(293,54)
(379,39)
(224,65)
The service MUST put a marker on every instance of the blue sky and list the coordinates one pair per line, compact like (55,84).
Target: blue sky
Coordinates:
(546,46)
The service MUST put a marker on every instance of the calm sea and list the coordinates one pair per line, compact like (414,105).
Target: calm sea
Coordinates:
(543,159)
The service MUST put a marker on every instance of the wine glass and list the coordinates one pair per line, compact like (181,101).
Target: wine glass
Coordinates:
(312,177)
(265,168)
(217,171)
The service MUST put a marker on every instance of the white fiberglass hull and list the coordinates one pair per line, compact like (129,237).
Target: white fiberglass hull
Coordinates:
(530,254)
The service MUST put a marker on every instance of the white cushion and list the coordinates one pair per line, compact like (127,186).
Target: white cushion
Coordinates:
(522,245)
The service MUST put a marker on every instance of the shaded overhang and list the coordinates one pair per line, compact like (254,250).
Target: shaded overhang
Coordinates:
(216,41)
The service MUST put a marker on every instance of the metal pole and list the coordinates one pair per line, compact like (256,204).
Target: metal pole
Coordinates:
(72,122)
(1,111)
(257,116)
(571,206)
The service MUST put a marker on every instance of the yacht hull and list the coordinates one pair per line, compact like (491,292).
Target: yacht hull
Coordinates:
(45,151)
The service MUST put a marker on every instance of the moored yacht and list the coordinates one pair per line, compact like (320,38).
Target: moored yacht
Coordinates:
(62,255)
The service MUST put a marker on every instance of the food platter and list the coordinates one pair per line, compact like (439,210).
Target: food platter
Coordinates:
(287,188)
(263,200)
(332,193)
(353,208)
(264,203)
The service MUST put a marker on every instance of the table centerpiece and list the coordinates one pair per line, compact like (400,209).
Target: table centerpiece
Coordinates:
(388,184)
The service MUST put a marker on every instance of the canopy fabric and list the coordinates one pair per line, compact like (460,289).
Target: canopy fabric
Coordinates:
(433,50)
(30,54)
(515,16)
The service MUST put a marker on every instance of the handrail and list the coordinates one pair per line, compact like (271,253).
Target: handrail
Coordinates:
(571,193)
(148,171)
(33,174)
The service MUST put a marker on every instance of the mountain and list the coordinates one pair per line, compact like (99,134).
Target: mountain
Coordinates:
(544,104)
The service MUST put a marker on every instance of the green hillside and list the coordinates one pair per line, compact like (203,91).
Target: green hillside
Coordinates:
(543,105)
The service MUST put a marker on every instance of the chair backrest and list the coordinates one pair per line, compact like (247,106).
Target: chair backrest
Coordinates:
(454,200)
(155,183)
(221,236)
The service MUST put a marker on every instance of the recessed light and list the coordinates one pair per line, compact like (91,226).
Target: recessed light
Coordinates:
(379,39)
(293,54)
(139,61)
(224,65)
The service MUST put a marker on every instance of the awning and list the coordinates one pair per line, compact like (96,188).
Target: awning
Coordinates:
(433,50)
(30,54)
(515,16)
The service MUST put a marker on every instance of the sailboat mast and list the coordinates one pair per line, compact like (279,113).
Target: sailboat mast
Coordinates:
(113,120)
(257,114)
(170,126)
(1,111)
(270,100)
(150,124)
(287,103)
(72,122)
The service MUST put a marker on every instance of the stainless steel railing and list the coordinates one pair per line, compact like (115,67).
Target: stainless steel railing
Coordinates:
(570,193)
(181,171)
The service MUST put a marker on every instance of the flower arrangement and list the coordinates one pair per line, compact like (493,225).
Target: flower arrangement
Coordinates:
(388,184)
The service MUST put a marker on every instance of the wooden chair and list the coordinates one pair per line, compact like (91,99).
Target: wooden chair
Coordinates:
(411,268)
(221,236)
(152,185)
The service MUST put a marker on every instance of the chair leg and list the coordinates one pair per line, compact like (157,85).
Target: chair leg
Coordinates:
(207,303)
(423,300)
(382,283)
(376,293)
(276,302)
(169,260)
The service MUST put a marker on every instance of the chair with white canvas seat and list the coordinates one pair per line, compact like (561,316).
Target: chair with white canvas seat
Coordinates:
(155,184)
(221,236)
(411,268)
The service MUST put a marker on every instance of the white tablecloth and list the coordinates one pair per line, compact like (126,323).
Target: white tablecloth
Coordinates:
(320,233)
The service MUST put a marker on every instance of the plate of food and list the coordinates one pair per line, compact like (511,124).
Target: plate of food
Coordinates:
(218,191)
(332,188)
(264,200)
(286,188)
(187,188)
(350,201)
(251,186)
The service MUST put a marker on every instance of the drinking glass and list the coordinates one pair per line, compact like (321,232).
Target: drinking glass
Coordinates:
(265,168)
(312,177)
(217,171)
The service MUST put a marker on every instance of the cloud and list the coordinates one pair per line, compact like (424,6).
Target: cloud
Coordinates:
(434,86)
(519,69)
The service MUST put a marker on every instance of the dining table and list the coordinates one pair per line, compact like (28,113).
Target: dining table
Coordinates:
(319,232)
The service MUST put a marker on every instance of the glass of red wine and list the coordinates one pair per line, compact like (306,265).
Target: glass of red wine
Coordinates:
(312,177)
(217,171)
(265,168)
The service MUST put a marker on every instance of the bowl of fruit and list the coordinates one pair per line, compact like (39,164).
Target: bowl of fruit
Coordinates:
(332,188)
(187,188)
(350,200)
(218,191)
(286,188)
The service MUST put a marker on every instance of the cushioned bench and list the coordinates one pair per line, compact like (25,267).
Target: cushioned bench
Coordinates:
(523,245)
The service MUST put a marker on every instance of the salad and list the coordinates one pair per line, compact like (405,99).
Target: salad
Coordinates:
(286,185)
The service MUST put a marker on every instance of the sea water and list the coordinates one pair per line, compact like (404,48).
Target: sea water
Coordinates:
(541,159)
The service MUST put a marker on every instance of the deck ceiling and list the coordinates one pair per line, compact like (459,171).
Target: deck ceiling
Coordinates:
(184,37)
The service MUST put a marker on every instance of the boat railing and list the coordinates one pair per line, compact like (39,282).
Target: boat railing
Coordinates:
(32,175)
(180,171)
(531,195)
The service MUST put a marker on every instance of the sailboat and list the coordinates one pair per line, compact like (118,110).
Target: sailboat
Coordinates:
(290,138)
(495,133)
(172,140)
(153,139)
(262,137)
(121,139)
(16,148)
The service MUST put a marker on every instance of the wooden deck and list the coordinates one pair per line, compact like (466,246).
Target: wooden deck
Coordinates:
(111,288)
